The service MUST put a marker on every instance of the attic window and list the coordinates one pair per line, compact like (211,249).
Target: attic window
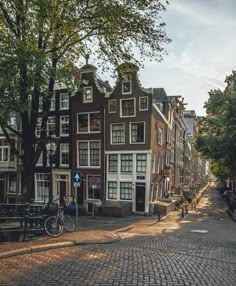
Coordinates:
(87,94)
(112,106)
(126,87)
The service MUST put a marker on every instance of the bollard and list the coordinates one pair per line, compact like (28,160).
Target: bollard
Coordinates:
(182,212)
(186,209)
(158,214)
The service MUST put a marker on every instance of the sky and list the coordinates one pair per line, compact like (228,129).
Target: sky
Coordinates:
(202,52)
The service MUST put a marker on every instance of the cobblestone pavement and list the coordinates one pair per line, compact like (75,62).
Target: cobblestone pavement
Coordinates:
(198,250)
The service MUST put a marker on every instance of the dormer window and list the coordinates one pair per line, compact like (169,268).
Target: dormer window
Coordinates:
(87,94)
(126,87)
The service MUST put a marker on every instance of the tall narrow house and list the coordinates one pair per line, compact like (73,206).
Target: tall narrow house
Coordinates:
(134,137)
(88,137)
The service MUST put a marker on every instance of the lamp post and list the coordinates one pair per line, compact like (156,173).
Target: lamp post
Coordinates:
(51,147)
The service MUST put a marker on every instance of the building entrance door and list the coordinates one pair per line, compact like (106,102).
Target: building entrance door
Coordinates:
(140,197)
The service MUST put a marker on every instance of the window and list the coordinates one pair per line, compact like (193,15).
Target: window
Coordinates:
(126,87)
(38,127)
(127,107)
(64,125)
(112,190)
(94,153)
(113,163)
(153,164)
(53,102)
(40,109)
(159,136)
(64,154)
(87,94)
(64,101)
(89,153)
(95,122)
(12,183)
(42,183)
(126,162)
(51,126)
(143,103)
(40,159)
(112,106)
(117,133)
(126,191)
(89,122)
(4,150)
(94,187)
(137,132)
(12,121)
(141,163)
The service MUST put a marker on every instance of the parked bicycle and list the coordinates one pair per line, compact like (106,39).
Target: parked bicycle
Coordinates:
(55,224)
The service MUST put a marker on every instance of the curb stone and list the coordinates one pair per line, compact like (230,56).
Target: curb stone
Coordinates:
(45,247)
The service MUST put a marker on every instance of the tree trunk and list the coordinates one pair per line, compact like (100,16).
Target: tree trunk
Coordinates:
(28,184)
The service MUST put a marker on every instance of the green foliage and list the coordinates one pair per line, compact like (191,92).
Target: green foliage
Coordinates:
(41,40)
(216,139)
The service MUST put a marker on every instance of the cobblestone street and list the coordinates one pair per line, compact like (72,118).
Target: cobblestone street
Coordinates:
(198,250)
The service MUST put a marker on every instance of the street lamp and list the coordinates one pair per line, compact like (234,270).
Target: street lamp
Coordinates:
(51,147)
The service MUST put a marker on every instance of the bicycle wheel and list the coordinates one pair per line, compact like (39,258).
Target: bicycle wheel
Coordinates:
(69,224)
(53,226)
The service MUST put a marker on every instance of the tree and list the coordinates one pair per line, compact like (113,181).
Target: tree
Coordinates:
(41,40)
(216,139)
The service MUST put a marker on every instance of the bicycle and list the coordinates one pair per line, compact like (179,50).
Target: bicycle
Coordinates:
(54,225)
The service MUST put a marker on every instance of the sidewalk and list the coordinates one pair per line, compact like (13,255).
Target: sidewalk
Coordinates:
(134,225)
(96,231)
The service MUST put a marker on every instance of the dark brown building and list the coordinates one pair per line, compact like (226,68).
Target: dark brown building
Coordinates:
(135,142)
(88,137)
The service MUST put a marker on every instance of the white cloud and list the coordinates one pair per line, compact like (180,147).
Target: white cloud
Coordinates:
(204,14)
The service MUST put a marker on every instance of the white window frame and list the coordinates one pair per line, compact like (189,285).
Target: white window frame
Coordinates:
(40,159)
(68,152)
(117,143)
(53,102)
(5,148)
(130,165)
(112,182)
(140,98)
(67,100)
(128,92)
(61,117)
(141,166)
(125,99)
(48,124)
(38,127)
(109,101)
(10,184)
(36,186)
(130,132)
(84,94)
(117,160)
(89,122)
(160,136)
(89,157)
(126,182)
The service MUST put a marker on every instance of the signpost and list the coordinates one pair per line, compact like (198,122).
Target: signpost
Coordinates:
(76,181)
